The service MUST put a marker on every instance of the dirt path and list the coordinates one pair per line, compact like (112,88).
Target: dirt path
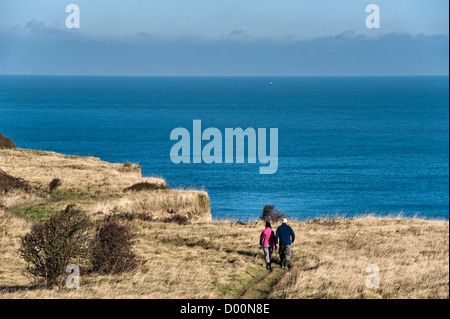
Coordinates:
(262,287)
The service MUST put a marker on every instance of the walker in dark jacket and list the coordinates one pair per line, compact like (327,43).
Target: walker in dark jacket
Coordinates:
(286,236)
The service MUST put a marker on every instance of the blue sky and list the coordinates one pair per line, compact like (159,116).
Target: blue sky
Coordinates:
(227,37)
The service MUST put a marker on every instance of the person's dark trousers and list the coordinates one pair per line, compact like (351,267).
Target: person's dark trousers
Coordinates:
(268,250)
(285,255)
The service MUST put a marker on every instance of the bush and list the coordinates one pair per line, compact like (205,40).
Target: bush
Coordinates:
(112,249)
(127,216)
(52,245)
(6,142)
(9,183)
(270,214)
(54,184)
(178,219)
(130,167)
(145,186)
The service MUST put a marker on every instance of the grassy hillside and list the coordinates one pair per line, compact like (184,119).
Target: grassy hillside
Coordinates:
(223,260)
(205,258)
(93,185)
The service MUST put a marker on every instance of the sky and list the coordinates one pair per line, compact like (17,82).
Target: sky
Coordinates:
(224,38)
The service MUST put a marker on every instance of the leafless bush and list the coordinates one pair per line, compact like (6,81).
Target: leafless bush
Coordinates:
(6,142)
(54,244)
(112,249)
(270,214)
(146,186)
(9,183)
(54,184)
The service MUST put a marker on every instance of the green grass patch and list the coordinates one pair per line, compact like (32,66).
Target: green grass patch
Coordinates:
(263,288)
(238,284)
(64,194)
(34,214)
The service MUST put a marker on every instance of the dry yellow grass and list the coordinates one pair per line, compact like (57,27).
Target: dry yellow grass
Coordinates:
(223,260)
(212,259)
(412,256)
(94,185)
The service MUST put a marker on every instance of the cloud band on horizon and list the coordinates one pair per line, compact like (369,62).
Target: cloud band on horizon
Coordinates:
(50,50)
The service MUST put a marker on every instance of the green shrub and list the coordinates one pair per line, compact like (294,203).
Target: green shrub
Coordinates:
(52,245)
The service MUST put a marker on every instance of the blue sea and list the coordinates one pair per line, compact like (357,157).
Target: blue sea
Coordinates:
(347,145)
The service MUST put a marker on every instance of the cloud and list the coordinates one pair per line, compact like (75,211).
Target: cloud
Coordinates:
(36,26)
(43,49)
(39,30)
(236,33)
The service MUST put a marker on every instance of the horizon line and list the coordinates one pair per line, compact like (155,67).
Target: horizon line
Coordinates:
(225,76)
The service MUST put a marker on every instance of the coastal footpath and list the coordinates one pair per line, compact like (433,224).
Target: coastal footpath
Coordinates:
(186,254)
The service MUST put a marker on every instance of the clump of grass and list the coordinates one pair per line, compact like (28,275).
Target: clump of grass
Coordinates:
(6,142)
(127,164)
(326,221)
(188,242)
(129,167)
(271,214)
(146,186)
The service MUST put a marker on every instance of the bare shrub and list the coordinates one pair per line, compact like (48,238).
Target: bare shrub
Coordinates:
(178,219)
(128,167)
(9,183)
(54,184)
(6,142)
(112,249)
(273,215)
(146,186)
(117,216)
(54,244)
(127,216)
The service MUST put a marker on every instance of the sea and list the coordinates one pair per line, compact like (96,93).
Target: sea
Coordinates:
(347,146)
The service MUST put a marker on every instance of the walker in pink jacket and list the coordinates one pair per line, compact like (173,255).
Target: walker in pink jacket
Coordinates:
(267,237)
